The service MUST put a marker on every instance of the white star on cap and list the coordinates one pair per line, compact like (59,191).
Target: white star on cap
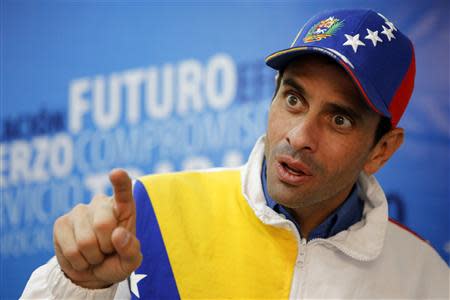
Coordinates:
(353,41)
(388,33)
(373,36)
(134,279)
(391,25)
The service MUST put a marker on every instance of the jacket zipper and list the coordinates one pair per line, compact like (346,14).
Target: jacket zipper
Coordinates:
(297,283)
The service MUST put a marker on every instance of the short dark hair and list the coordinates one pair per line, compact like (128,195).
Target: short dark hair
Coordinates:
(384,125)
(278,79)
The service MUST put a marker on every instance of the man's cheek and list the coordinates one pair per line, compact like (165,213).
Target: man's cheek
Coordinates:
(276,132)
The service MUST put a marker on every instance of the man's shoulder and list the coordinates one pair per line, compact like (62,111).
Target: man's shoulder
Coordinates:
(411,247)
(403,236)
(404,230)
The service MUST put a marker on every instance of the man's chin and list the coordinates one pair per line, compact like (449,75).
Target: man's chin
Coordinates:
(286,195)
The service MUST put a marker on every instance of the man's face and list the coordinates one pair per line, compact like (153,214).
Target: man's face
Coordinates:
(319,137)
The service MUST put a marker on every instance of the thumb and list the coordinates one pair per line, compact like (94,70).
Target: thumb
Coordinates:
(123,194)
(127,248)
(127,258)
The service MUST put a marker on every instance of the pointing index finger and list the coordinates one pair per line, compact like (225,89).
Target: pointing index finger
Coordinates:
(122,186)
(123,195)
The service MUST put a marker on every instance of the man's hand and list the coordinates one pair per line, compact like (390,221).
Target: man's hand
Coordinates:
(96,244)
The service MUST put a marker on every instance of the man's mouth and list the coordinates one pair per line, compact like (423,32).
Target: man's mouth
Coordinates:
(291,171)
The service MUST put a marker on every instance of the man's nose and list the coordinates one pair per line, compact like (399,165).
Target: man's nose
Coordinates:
(304,134)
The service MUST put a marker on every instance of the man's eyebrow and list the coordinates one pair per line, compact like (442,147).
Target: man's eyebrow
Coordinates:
(344,110)
(292,83)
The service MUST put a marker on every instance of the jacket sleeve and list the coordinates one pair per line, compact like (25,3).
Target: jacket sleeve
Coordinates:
(49,282)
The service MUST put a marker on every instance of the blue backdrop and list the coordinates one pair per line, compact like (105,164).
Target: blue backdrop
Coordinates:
(88,86)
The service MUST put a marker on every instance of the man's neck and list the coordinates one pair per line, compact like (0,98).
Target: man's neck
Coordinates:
(311,217)
(320,221)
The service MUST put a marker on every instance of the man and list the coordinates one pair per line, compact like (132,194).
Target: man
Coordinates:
(304,218)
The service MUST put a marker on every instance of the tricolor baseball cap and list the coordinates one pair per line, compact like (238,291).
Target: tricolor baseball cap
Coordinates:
(377,56)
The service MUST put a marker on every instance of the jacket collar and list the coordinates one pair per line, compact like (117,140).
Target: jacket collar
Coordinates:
(362,241)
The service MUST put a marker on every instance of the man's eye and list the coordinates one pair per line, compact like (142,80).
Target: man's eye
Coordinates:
(292,100)
(342,121)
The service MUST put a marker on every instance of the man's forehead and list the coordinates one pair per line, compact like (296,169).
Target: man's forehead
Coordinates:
(304,65)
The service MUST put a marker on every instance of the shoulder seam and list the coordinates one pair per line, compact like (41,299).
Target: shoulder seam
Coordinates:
(407,229)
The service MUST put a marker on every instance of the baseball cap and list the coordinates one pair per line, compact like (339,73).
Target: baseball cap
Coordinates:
(377,56)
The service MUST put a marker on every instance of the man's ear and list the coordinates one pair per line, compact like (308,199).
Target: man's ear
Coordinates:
(383,150)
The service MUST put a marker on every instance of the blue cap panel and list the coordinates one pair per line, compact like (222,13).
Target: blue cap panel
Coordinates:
(375,53)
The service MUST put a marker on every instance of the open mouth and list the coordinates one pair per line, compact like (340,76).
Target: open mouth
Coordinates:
(292,173)
(292,170)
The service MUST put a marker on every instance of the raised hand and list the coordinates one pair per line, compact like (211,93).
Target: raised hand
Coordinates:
(96,244)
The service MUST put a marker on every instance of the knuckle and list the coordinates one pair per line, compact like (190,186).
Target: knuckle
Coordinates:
(86,243)
(71,253)
(100,199)
(59,225)
(103,226)
(107,247)
(96,259)
(80,206)
(59,222)
(73,256)
(90,250)
(79,209)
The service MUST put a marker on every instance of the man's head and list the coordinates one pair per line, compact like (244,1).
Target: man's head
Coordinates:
(335,112)
(374,53)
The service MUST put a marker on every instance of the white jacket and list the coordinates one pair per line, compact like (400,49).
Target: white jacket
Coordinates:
(374,258)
